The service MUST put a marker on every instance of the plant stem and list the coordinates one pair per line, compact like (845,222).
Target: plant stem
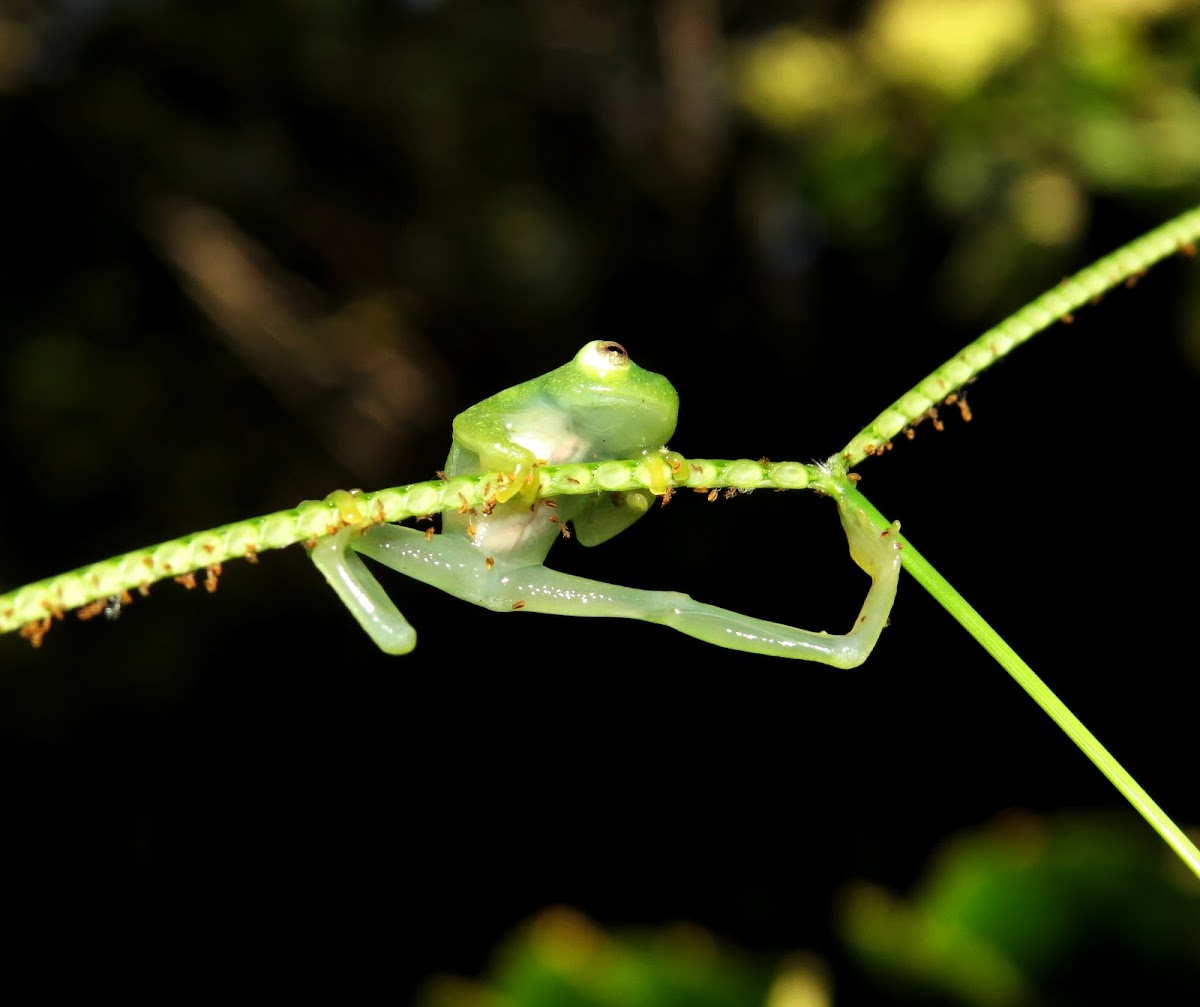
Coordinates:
(33,608)
(994,644)
(1124,265)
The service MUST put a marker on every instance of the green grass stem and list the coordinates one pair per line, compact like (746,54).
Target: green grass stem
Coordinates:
(991,641)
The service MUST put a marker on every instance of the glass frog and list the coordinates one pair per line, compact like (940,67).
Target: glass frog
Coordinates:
(599,406)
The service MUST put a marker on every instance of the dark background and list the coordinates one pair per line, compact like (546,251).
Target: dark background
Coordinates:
(252,252)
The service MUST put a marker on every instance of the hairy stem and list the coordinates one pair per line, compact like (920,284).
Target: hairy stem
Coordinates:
(32,607)
(1126,263)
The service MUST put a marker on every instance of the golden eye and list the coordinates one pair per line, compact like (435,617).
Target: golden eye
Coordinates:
(602,356)
(615,351)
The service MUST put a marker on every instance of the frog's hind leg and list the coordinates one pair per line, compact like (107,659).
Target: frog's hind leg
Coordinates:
(447,562)
(537,589)
(453,565)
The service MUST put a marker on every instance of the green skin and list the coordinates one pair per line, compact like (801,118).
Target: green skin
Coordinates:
(599,406)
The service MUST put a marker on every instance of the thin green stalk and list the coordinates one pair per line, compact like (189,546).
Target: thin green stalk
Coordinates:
(994,644)
(1125,264)
(33,608)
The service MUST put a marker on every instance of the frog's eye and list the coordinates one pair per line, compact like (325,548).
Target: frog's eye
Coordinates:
(604,356)
(614,351)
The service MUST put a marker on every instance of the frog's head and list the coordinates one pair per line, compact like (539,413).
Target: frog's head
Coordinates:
(623,408)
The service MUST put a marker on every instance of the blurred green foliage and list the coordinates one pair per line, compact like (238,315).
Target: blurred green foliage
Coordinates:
(561,959)
(1023,911)
(1030,910)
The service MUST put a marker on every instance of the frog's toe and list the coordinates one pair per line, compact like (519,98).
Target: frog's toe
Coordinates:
(507,487)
